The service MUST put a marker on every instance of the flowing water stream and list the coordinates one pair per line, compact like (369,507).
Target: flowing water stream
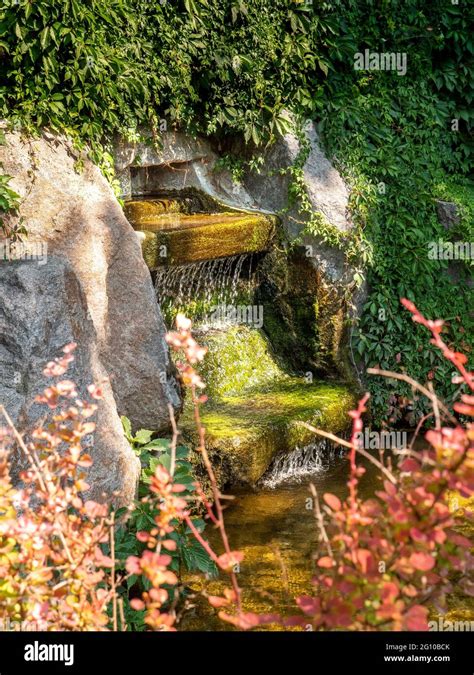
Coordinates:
(200,286)
(256,402)
(274,526)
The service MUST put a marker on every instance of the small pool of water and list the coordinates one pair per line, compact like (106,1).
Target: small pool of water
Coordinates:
(276,531)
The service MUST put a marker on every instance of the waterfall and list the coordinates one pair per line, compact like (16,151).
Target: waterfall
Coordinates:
(204,284)
(296,466)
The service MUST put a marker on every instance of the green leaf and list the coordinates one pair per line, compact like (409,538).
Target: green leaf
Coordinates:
(127,427)
(143,436)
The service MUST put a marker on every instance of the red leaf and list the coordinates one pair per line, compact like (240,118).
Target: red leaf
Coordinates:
(464,409)
(390,489)
(390,591)
(365,559)
(417,618)
(216,601)
(332,501)
(325,561)
(409,465)
(228,560)
(308,604)
(422,561)
(459,540)
(248,620)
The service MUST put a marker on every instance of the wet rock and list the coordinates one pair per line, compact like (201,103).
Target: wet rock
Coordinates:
(173,238)
(186,163)
(181,164)
(255,406)
(313,289)
(303,314)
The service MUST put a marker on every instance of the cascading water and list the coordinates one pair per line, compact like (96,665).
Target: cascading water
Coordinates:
(297,465)
(205,284)
(218,262)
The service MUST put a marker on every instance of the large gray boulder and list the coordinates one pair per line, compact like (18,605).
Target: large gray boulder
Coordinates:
(327,193)
(43,308)
(68,207)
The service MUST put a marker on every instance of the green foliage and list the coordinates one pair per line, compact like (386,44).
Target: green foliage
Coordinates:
(232,67)
(66,64)
(437,38)
(210,66)
(353,243)
(189,553)
(9,199)
(392,138)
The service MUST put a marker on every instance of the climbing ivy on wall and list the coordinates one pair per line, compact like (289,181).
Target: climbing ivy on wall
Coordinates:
(392,136)
(210,66)
(9,199)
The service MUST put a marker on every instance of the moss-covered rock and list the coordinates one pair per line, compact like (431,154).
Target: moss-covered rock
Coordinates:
(254,407)
(239,359)
(304,315)
(191,238)
(253,429)
(175,229)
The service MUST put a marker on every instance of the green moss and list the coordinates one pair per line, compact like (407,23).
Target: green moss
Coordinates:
(141,211)
(304,315)
(250,430)
(254,407)
(191,238)
(216,236)
(240,359)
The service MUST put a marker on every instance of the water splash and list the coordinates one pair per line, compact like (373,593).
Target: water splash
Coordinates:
(204,284)
(296,466)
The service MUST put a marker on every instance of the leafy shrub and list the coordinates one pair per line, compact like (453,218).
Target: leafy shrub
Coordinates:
(185,552)
(392,139)
(391,558)
(386,560)
(209,66)
(9,200)
(69,563)
(53,570)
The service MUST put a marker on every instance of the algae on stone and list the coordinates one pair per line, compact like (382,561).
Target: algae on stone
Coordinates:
(239,359)
(304,316)
(166,225)
(254,407)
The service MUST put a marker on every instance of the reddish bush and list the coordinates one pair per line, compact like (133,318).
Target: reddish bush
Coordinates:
(388,559)
(382,561)
(52,569)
